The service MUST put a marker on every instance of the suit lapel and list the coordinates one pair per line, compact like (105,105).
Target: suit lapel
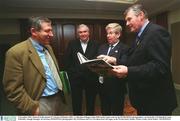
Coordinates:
(135,47)
(115,50)
(146,29)
(34,57)
(89,47)
(143,33)
(104,49)
(79,46)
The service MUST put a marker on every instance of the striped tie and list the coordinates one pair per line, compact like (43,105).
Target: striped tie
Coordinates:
(137,40)
(110,48)
(53,69)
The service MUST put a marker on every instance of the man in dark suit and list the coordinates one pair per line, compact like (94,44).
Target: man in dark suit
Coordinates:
(148,72)
(81,78)
(28,80)
(112,91)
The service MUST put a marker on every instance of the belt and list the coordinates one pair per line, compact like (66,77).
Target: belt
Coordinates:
(60,93)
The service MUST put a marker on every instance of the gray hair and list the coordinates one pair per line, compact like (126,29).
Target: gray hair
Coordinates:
(82,25)
(35,22)
(137,8)
(115,26)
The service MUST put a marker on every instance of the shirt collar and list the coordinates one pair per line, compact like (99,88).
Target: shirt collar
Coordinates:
(36,45)
(114,44)
(142,28)
(82,42)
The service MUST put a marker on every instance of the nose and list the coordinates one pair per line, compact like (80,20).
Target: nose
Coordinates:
(51,34)
(127,23)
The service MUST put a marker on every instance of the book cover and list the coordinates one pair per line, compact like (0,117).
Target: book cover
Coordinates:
(65,82)
(96,65)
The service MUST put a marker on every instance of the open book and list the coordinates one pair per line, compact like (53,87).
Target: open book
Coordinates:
(96,65)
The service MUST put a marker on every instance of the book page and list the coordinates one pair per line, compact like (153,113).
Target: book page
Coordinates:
(81,58)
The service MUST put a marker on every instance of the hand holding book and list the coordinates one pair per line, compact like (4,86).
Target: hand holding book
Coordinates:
(108,59)
(120,71)
(100,66)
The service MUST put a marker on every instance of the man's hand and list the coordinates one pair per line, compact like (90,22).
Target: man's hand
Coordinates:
(36,112)
(109,59)
(120,71)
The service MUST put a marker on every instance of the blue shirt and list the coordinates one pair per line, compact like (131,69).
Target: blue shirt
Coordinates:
(51,86)
(142,28)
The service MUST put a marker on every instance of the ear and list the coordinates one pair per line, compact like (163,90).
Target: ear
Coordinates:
(33,32)
(141,14)
(118,35)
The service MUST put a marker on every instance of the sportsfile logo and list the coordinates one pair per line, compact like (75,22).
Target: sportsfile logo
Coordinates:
(8,118)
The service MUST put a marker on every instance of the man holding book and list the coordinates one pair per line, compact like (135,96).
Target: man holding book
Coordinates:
(112,91)
(81,78)
(148,70)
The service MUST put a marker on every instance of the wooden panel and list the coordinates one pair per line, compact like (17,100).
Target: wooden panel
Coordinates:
(65,31)
(162,19)
(69,34)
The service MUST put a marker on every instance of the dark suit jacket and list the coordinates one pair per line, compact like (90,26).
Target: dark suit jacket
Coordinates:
(24,77)
(120,53)
(149,72)
(77,72)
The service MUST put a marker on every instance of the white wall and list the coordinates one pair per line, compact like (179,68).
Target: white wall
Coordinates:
(174,17)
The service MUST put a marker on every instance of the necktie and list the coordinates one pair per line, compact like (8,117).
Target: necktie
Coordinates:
(135,43)
(53,69)
(110,48)
(101,77)
(137,40)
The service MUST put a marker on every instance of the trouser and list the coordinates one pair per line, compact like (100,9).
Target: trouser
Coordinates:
(112,95)
(52,105)
(77,98)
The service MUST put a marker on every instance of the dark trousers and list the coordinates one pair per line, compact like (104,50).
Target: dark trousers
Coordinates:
(112,95)
(77,97)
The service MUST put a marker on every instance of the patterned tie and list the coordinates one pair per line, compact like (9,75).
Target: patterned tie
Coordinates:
(110,48)
(135,43)
(137,40)
(101,77)
(53,69)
